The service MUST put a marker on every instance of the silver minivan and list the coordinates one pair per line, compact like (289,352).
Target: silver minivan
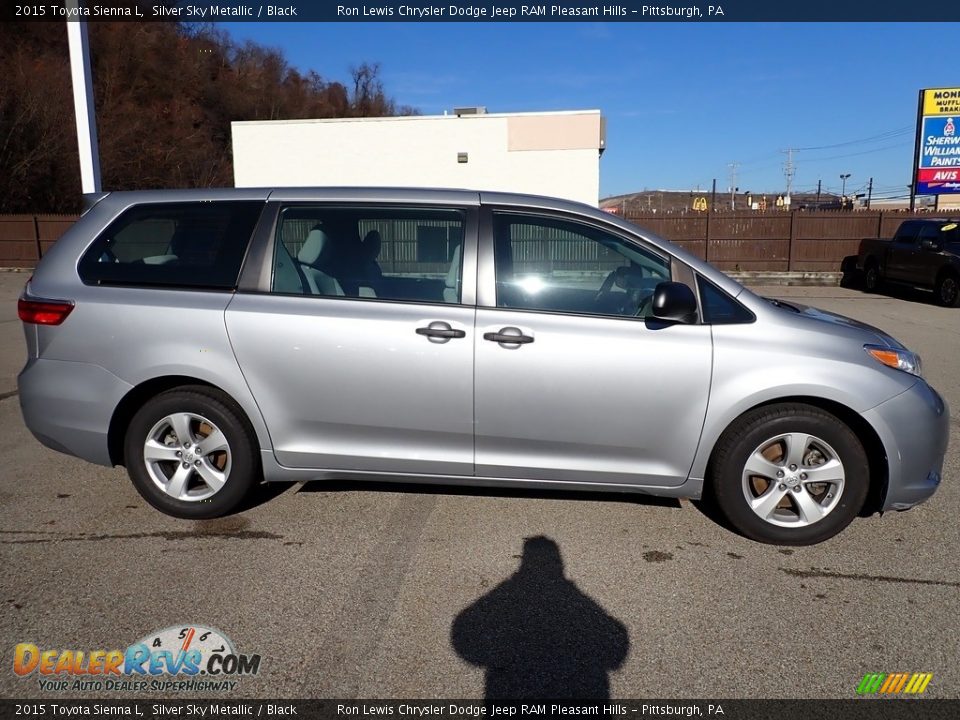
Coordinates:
(211,340)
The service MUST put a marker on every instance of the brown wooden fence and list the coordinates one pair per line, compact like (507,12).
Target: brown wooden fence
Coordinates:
(798,240)
(24,238)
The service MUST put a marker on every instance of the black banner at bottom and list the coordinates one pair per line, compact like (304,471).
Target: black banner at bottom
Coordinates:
(867,709)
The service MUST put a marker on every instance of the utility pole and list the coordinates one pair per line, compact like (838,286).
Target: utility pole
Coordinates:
(733,184)
(818,193)
(788,171)
(869,192)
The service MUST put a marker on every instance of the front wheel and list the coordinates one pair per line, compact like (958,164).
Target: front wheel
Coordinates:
(190,453)
(947,290)
(789,474)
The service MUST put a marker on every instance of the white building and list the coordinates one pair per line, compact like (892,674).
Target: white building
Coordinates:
(550,153)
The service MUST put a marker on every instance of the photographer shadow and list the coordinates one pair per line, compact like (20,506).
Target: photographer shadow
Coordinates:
(538,636)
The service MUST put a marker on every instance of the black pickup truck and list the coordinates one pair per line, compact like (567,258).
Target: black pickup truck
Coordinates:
(923,253)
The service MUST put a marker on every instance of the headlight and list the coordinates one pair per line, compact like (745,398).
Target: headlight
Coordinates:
(897,358)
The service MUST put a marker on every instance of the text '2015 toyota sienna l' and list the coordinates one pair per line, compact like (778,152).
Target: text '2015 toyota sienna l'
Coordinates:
(209,340)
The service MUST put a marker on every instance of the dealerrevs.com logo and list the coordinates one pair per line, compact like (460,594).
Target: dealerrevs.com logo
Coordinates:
(180,658)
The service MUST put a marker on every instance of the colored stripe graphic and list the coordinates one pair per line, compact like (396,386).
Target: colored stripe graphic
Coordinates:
(894,683)
(918,683)
(871,683)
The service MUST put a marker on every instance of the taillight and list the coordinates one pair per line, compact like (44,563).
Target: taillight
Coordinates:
(43,312)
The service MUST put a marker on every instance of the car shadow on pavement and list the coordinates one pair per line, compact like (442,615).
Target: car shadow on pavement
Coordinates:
(262,494)
(904,292)
(853,280)
(475,491)
(538,636)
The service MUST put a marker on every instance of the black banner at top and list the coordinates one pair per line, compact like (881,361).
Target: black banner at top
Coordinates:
(942,11)
(235,709)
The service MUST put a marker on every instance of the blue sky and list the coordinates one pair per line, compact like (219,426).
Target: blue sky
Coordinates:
(682,101)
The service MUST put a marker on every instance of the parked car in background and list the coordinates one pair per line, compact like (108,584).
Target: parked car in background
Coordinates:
(923,254)
(209,340)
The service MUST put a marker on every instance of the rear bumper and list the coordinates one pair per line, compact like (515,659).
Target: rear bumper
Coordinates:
(914,427)
(68,406)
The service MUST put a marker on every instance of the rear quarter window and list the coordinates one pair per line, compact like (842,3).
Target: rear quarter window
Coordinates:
(187,245)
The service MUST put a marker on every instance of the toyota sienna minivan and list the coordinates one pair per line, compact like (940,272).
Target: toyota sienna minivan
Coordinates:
(210,340)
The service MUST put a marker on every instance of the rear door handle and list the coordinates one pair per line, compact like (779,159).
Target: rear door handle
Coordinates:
(440,330)
(508,335)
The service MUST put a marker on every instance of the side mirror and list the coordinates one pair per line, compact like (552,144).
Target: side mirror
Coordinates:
(930,244)
(675,302)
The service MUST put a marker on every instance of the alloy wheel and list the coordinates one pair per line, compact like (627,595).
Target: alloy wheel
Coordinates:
(793,480)
(187,456)
(948,291)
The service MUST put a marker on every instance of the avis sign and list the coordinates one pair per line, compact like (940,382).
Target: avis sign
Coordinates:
(938,170)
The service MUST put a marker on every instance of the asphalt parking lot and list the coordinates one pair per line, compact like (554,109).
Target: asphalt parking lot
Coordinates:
(385,591)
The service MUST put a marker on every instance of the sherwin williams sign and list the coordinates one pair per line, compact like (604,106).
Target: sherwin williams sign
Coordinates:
(938,169)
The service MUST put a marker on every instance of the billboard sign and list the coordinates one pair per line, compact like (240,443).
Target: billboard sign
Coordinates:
(938,166)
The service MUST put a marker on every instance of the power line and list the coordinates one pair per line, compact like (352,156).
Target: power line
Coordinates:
(889,135)
(863,152)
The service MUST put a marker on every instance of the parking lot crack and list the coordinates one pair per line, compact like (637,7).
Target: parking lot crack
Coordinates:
(819,573)
(173,535)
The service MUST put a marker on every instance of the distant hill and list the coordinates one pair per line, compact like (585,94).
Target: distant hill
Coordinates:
(676,201)
(165,96)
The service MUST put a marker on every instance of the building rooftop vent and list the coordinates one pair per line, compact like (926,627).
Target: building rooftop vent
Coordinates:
(476,110)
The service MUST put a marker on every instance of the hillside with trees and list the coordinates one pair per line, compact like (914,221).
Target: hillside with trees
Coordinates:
(165,96)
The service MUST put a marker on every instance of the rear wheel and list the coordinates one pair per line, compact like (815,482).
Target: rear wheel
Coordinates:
(790,474)
(871,277)
(947,289)
(190,453)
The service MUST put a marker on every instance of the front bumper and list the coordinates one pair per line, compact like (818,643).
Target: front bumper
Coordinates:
(914,427)
(68,406)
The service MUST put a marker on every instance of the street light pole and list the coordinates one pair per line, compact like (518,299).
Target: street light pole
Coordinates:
(843,191)
(81,78)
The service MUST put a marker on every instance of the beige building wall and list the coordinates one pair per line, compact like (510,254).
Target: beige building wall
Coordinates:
(555,154)
(948,202)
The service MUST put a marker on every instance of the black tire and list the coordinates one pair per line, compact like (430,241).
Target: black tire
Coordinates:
(850,276)
(872,282)
(947,289)
(730,483)
(240,460)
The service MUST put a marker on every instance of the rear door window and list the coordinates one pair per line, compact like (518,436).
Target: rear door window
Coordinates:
(406,254)
(907,234)
(187,245)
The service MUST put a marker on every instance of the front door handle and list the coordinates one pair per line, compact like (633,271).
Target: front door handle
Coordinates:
(508,335)
(440,330)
